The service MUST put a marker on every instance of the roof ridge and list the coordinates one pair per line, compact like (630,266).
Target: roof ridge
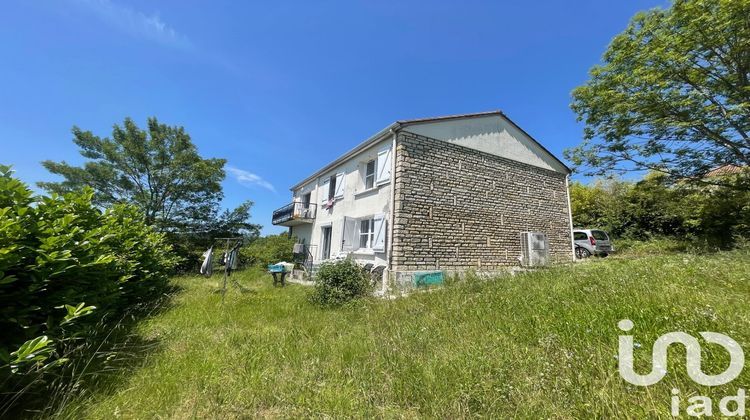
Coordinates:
(449,117)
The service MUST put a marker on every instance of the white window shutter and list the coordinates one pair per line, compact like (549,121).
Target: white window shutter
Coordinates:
(324,191)
(339,185)
(384,166)
(378,242)
(362,174)
(349,235)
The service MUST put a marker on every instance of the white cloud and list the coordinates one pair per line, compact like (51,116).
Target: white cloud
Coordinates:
(249,179)
(136,23)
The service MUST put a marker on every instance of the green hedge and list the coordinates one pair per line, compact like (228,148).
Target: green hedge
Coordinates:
(702,216)
(62,250)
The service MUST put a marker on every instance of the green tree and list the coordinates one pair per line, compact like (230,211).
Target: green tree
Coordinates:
(672,94)
(586,204)
(235,223)
(158,170)
(601,205)
(655,208)
(718,216)
(269,250)
(190,245)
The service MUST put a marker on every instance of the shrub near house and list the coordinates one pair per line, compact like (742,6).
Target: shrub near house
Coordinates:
(339,282)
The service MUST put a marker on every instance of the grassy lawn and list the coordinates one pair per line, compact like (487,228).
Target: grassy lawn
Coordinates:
(535,345)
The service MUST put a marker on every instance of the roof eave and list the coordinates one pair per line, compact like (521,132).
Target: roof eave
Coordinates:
(359,148)
(405,123)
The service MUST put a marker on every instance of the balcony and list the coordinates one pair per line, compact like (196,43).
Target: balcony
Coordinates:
(294,214)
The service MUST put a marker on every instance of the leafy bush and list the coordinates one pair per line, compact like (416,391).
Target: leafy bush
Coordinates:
(61,251)
(340,282)
(268,250)
(706,216)
(652,246)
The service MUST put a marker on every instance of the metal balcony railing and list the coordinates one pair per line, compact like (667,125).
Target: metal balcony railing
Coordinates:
(294,213)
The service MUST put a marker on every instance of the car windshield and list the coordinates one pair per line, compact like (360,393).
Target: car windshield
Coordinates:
(599,235)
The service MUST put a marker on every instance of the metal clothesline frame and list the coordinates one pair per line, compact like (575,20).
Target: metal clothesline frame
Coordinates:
(236,243)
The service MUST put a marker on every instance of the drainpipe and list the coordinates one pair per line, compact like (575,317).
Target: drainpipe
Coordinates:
(315,226)
(570,216)
(392,217)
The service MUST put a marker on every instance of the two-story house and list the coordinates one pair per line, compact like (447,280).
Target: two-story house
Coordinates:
(447,193)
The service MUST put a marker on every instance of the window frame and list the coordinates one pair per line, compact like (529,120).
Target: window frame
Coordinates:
(332,187)
(370,176)
(602,235)
(326,228)
(369,235)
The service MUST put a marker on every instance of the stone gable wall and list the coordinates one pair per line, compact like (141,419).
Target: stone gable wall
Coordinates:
(457,208)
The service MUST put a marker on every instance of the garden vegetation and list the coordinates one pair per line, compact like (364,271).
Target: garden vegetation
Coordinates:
(700,216)
(67,268)
(339,282)
(537,345)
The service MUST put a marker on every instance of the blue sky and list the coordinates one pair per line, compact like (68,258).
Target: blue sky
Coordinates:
(282,88)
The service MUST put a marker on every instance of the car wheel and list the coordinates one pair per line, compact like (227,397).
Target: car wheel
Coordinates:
(582,253)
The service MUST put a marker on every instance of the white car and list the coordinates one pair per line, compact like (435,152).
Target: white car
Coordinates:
(590,242)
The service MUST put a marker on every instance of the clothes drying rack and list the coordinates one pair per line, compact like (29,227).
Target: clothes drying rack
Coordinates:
(230,245)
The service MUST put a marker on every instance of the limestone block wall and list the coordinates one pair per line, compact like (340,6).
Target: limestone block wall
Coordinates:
(458,208)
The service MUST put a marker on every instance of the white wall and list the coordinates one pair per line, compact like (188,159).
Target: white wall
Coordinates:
(491,134)
(355,203)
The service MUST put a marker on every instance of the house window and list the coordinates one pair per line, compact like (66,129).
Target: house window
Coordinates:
(325,251)
(366,233)
(332,187)
(370,174)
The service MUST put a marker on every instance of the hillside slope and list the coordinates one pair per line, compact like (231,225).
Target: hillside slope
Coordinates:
(536,345)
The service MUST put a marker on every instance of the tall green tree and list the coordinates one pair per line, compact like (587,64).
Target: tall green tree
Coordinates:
(654,207)
(157,169)
(190,245)
(672,94)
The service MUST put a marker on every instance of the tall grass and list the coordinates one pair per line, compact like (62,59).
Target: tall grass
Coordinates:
(539,345)
(666,245)
(97,358)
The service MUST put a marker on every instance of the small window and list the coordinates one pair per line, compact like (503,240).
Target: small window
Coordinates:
(332,187)
(599,235)
(366,233)
(580,236)
(370,174)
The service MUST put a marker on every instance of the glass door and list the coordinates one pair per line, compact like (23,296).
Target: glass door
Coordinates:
(326,249)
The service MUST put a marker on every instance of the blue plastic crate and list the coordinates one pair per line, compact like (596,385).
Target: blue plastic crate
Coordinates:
(276,268)
(428,278)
